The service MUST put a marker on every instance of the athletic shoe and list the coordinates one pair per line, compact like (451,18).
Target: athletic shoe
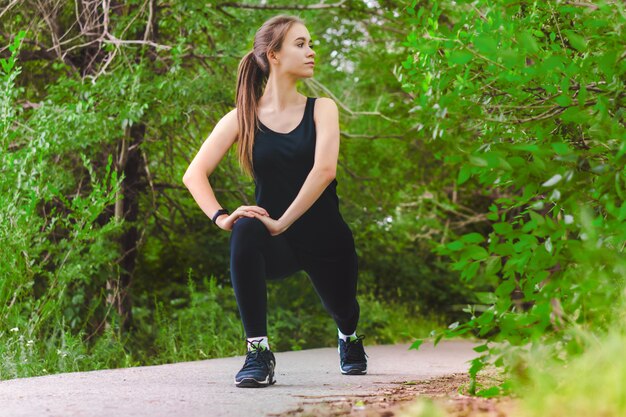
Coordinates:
(352,356)
(258,370)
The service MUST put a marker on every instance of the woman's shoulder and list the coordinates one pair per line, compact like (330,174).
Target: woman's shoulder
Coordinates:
(325,105)
(325,102)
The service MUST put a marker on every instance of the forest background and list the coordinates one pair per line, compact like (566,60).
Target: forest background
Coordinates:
(481,170)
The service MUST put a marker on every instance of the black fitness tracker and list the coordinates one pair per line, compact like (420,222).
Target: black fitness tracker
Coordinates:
(219,213)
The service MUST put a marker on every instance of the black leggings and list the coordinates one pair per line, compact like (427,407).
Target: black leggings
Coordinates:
(255,256)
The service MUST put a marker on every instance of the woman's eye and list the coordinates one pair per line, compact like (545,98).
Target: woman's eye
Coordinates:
(312,47)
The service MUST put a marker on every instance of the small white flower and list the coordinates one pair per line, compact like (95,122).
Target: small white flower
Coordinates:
(568,218)
(555,178)
(537,205)
(548,245)
(15,329)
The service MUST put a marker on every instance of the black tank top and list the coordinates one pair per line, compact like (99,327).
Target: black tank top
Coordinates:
(282,161)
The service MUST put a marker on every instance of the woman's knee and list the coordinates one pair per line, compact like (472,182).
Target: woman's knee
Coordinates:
(248,229)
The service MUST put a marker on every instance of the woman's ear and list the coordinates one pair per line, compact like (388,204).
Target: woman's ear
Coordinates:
(272,56)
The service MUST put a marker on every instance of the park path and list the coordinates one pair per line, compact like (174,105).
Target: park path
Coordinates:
(206,388)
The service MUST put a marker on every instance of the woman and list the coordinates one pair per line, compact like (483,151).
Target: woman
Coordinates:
(289,144)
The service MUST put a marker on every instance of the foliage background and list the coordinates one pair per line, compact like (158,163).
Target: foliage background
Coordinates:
(481,171)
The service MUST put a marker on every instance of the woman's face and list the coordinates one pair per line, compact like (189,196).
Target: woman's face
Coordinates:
(295,55)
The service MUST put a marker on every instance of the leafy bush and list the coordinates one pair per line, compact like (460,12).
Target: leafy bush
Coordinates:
(525,102)
(55,255)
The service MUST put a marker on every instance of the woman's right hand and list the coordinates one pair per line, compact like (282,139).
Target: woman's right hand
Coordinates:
(226,222)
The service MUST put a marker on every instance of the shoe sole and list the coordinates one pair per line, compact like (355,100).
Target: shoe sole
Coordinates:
(253,383)
(353,371)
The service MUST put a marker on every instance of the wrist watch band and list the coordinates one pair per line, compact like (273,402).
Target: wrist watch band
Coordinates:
(219,213)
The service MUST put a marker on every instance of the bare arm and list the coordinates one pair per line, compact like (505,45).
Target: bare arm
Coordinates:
(325,165)
(196,178)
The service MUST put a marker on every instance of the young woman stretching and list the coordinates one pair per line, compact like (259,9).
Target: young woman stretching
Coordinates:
(289,144)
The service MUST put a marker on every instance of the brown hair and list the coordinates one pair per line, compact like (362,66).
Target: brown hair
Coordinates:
(252,75)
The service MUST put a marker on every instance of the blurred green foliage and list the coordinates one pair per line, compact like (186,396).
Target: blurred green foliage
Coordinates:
(481,171)
(524,103)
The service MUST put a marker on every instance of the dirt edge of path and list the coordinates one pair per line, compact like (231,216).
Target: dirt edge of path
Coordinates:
(439,392)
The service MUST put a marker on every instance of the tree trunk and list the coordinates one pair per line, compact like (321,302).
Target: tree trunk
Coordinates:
(127,208)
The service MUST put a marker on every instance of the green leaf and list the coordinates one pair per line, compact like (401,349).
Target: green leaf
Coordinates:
(486,297)
(531,147)
(475,252)
(538,33)
(504,164)
(481,348)
(563,100)
(478,161)
(455,245)
(464,174)
(485,44)
(536,217)
(493,265)
(473,238)
(502,228)
(505,288)
(477,365)
(606,63)
(622,212)
(560,148)
(492,216)
(552,63)
(416,345)
(488,393)
(527,42)
(485,318)
(576,40)
(470,272)
(460,57)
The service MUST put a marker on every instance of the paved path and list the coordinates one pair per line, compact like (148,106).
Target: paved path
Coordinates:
(206,388)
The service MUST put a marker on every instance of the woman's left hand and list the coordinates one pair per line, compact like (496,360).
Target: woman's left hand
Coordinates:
(275,227)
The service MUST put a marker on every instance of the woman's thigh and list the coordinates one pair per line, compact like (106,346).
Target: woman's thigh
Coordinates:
(280,258)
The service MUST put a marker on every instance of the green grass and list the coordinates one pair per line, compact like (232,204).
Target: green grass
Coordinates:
(592,384)
(202,324)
